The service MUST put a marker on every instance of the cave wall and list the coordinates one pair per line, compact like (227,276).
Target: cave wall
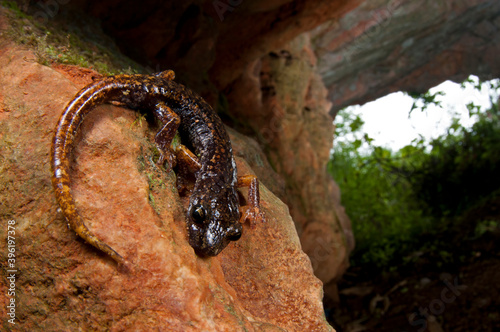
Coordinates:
(387,46)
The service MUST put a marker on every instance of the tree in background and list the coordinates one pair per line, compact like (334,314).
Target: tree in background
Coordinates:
(395,199)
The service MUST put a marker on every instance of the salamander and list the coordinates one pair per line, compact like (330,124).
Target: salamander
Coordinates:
(214,216)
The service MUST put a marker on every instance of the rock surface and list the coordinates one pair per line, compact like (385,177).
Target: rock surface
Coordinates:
(392,45)
(264,282)
(366,49)
(288,110)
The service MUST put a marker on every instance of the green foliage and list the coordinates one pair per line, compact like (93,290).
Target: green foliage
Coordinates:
(485,226)
(397,199)
(379,201)
(462,168)
(424,100)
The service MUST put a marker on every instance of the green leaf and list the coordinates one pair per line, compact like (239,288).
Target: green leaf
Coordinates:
(356,124)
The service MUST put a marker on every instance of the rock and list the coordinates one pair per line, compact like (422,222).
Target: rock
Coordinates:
(219,37)
(425,281)
(366,49)
(393,45)
(264,282)
(284,101)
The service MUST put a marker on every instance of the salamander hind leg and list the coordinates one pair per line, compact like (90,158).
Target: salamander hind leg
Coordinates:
(251,212)
(170,122)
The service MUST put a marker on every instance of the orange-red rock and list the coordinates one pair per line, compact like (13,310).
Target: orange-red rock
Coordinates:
(264,282)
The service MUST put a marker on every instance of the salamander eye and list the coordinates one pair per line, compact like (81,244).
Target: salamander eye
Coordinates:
(234,234)
(199,214)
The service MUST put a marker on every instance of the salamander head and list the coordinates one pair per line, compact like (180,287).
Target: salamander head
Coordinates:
(213,220)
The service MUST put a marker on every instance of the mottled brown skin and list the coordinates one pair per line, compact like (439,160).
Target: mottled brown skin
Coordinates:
(213,217)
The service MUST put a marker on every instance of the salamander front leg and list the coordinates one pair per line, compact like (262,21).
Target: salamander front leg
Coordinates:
(252,211)
(163,139)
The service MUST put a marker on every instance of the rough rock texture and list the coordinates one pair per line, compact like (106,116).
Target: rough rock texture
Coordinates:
(289,119)
(199,36)
(391,45)
(366,49)
(264,282)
